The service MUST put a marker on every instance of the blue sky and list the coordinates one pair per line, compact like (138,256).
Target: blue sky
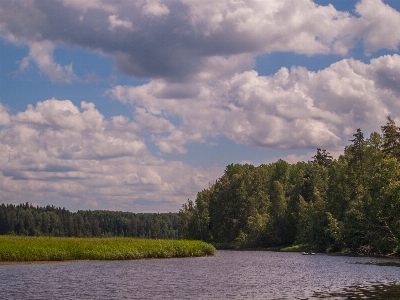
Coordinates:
(139,105)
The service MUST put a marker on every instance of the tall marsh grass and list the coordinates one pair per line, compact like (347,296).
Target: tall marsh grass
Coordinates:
(17,248)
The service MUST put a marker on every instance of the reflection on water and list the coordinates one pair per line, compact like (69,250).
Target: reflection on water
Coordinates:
(384,263)
(228,275)
(388,291)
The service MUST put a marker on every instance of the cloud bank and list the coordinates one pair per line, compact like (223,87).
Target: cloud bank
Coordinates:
(61,153)
(292,109)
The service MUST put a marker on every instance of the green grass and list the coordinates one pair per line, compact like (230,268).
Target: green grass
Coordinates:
(297,248)
(25,249)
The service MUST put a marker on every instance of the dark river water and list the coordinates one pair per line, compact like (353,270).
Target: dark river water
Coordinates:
(227,275)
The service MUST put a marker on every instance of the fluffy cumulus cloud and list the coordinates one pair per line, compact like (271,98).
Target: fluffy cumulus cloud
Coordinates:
(56,151)
(4,116)
(42,54)
(290,109)
(187,40)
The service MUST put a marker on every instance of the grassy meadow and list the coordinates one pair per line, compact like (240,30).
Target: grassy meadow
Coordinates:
(30,249)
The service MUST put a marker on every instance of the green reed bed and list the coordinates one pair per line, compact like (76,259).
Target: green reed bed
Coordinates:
(17,248)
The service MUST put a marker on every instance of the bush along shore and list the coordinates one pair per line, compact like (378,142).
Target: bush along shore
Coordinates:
(31,249)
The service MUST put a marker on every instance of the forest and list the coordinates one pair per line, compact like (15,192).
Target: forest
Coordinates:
(25,219)
(349,205)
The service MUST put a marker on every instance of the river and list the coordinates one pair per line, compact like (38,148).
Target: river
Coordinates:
(227,275)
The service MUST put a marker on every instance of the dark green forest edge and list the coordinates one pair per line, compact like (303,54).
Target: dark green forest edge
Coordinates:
(25,219)
(349,205)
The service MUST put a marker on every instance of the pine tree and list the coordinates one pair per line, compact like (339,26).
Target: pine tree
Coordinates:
(322,157)
(391,138)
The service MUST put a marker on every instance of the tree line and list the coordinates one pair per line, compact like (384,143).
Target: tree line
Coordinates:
(25,219)
(350,204)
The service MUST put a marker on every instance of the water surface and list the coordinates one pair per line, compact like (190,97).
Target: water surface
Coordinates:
(227,275)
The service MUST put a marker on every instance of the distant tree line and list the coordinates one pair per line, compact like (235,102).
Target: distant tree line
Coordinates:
(349,204)
(25,219)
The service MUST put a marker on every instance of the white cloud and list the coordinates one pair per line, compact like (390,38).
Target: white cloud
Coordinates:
(57,152)
(266,26)
(115,22)
(152,123)
(92,4)
(42,54)
(290,109)
(4,116)
(155,8)
(379,25)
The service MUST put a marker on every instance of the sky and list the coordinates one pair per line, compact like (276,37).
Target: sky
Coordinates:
(138,105)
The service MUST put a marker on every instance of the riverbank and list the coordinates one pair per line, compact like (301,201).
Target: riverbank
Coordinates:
(35,249)
(307,248)
(231,246)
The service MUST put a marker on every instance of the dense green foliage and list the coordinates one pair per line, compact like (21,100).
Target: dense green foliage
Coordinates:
(350,204)
(18,248)
(25,219)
